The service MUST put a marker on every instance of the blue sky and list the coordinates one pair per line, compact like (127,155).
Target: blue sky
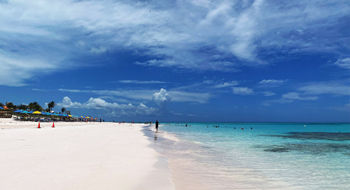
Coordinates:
(179,60)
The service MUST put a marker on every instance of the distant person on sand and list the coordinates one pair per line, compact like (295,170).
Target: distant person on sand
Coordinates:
(157,125)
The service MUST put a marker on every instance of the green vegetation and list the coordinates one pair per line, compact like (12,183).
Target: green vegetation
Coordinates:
(32,106)
(33,112)
(10,106)
(51,105)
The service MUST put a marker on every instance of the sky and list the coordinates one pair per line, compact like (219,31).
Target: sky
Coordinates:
(179,60)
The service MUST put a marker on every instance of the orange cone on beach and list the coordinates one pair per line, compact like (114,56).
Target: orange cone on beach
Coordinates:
(39,125)
(53,125)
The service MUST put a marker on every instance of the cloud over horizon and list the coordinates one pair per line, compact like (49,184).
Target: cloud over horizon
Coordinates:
(101,104)
(150,95)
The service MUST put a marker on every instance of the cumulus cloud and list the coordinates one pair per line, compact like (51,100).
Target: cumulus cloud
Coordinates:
(148,95)
(44,36)
(161,96)
(101,104)
(67,103)
(242,90)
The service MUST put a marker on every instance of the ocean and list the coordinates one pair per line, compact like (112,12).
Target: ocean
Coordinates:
(257,155)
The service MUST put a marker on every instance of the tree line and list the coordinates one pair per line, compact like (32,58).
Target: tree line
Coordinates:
(33,106)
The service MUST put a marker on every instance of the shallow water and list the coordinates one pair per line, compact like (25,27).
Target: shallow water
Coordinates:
(258,155)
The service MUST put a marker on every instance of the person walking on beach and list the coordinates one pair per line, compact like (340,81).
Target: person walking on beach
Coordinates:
(157,125)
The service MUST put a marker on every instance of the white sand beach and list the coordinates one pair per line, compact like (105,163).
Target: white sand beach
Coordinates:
(79,156)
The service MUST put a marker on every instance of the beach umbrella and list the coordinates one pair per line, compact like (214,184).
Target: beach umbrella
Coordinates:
(37,112)
(46,113)
(18,111)
(70,115)
(1,108)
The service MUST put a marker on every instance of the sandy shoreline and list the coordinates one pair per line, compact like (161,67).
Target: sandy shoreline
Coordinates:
(79,156)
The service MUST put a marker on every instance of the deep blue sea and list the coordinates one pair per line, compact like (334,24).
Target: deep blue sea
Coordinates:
(260,155)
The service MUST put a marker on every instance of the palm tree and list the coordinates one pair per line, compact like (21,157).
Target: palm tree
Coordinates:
(10,105)
(22,107)
(51,105)
(63,110)
(34,106)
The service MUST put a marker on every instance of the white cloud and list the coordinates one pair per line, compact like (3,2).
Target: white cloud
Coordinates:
(161,96)
(226,84)
(148,95)
(242,91)
(297,96)
(67,103)
(271,82)
(130,94)
(333,88)
(201,34)
(101,104)
(17,68)
(290,97)
(311,91)
(343,63)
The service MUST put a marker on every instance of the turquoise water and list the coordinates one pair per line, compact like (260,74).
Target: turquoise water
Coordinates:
(263,155)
